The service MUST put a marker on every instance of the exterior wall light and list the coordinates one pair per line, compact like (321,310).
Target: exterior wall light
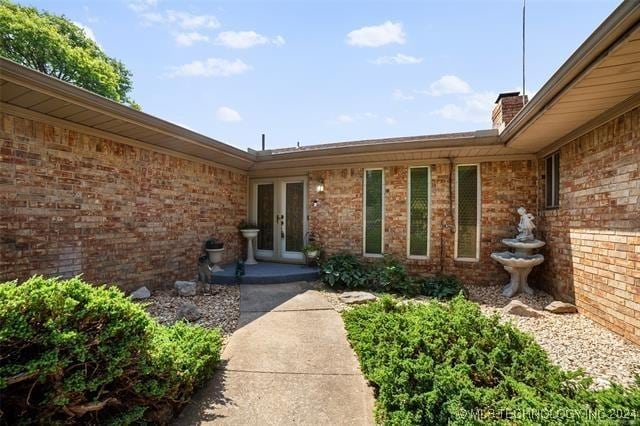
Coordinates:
(320,186)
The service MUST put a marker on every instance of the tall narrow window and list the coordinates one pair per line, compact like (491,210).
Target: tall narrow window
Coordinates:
(468,214)
(373,211)
(552,180)
(419,211)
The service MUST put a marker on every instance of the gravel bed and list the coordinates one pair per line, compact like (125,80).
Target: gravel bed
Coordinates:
(572,341)
(220,308)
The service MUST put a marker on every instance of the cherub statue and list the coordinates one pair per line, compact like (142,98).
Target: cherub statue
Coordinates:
(526,225)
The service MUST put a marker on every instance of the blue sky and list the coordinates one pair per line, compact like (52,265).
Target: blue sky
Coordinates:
(314,72)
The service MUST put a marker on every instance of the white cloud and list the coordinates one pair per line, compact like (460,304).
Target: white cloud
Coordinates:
(211,67)
(390,121)
(351,118)
(345,118)
(228,115)
(187,39)
(246,39)
(399,95)
(472,108)
(448,85)
(398,59)
(87,31)
(142,5)
(180,19)
(377,35)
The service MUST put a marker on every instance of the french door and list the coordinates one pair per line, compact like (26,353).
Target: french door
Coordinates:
(279,208)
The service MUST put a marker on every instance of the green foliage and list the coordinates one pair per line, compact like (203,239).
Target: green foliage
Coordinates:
(72,352)
(446,363)
(390,275)
(54,45)
(440,286)
(385,275)
(343,270)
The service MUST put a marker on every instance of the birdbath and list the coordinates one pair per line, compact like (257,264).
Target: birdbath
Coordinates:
(250,234)
(520,262)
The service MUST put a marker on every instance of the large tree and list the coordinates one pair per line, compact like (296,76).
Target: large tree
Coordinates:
(56,46)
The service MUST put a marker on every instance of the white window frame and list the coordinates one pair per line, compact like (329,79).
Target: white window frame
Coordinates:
(478,218)
(364,214)
(554,157)
(409,255)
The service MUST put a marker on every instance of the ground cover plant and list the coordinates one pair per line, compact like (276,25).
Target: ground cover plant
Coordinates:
(74,353)
(446,363)
(345,270)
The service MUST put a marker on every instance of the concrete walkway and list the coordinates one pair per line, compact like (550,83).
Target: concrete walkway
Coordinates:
(289,362)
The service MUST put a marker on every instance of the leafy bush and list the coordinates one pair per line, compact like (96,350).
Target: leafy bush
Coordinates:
(385,275)
(72,352)
(443,364)
(440,286)
(390,275)
(343,270)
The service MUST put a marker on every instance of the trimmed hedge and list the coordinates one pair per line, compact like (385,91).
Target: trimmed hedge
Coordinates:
(440,364)
(72,352)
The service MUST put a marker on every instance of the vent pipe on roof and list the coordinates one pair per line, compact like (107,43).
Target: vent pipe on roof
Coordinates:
(263,145)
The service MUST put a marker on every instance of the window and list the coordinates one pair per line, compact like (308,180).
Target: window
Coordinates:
(552,180)
(467,212)
(418,211)
(373,211)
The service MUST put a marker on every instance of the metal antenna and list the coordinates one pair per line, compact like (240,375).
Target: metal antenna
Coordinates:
(524,9)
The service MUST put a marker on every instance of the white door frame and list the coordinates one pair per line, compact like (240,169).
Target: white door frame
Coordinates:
(279,254)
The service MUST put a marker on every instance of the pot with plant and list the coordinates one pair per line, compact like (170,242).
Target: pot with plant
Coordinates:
(249,231)
(312,250)
(214,249)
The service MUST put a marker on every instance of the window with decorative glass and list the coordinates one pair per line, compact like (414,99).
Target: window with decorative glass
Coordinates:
(467,211)
(373,211)
(419,211)
(552,180)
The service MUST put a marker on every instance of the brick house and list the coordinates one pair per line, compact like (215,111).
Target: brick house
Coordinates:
(91,186)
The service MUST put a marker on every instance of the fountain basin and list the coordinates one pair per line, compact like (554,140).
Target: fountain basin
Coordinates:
(516,260)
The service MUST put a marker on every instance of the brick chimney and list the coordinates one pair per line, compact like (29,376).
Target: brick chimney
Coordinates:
(507,106)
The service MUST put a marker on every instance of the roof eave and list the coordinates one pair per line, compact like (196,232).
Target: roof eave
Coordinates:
(617,25)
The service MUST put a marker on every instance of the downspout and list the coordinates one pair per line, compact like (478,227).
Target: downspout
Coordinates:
(447,221)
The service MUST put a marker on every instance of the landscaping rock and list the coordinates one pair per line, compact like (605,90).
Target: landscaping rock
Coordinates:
(189,311)
(186,288)
(357,297)
(558,307)
(516,307)
(141,293)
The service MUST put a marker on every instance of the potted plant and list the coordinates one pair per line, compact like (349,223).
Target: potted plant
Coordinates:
(249,231)
(214,249)
(312,250)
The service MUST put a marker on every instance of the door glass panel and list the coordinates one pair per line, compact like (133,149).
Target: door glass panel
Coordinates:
(467,211)
(373,212)
(419,211)
(265,217)
(294,220)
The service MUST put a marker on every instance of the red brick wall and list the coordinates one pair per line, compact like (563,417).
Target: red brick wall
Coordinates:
(506,109)
(593,251)
(506,185)
(73,203)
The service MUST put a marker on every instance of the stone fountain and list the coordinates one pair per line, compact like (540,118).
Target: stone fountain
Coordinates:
(520,262)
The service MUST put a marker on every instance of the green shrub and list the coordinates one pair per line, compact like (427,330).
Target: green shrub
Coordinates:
(440,286)
(437,364)
(343,270)
(72,352)
(390,275)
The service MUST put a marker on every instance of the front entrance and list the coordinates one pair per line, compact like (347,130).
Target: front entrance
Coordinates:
(279,208)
